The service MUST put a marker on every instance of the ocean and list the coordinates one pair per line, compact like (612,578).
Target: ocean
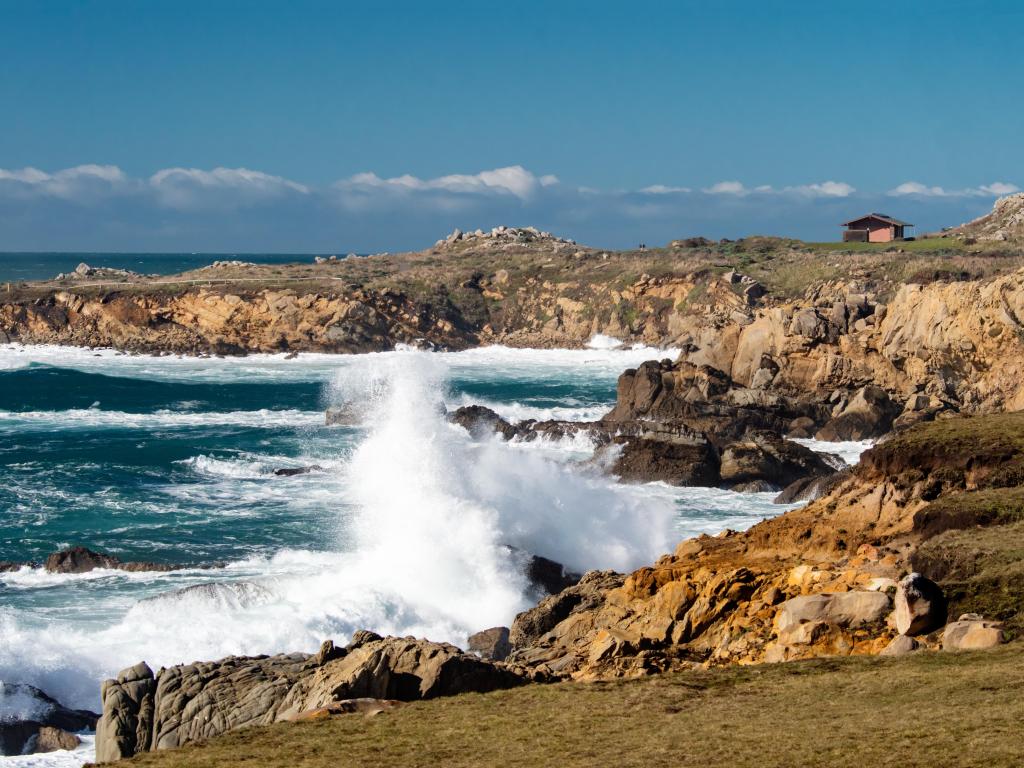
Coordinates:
(16,267)
(402,528)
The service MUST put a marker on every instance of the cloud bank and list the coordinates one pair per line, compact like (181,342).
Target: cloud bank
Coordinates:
(100,207)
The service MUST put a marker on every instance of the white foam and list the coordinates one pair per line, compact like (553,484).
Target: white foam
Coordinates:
(848,450)
(493,362)
(601,341)
(62,758)
(516,411)
(93,418)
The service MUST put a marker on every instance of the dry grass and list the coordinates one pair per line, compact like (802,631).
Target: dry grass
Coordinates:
(925,710)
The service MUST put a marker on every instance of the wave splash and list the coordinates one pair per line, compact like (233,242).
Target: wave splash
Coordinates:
(419,545)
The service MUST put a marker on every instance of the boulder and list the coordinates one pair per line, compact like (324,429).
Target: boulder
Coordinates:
(847,609)
(869,413)
(920,605)
(971,633)
(492,644)
(900,645)
(680,461)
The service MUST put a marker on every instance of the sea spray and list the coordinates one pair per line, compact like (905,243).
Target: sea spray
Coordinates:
(416,521)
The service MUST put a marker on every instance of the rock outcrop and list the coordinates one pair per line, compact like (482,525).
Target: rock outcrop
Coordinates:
(824,579)
(82,560)
(179,705)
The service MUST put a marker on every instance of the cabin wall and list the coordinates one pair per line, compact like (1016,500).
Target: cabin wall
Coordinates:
(879,232)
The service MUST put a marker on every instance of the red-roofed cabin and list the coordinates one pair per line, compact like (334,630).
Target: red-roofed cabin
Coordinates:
(874,228)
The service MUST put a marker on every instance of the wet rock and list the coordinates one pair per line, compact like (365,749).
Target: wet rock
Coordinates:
(293,471)
(50,739)
(811,488)
(920,605)
(550,576)
(82,560)
(492,644)
(481,422)
(342,416)
(765,457)
(972,633)
(677,461)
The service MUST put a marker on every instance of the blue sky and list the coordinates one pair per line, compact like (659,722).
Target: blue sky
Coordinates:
(336,126)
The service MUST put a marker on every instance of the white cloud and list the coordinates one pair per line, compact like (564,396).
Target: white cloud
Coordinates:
(191,188)
(824,189)
(995,189)
(661,189)
(81,183)
(728,188)
(514,180)
(999,188)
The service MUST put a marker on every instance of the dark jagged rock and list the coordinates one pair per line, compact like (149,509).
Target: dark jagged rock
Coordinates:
(481,422)
(492,644)
(764,457)
(293,471)
(677,461)
(550,576)
(82,560)
(48,714)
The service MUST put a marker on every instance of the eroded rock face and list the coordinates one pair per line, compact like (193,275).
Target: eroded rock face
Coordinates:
(126,726)
(185,703)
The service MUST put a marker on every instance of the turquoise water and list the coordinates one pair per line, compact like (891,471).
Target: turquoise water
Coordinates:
(404,529)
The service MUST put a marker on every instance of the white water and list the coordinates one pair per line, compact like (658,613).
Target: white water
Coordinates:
(424,553)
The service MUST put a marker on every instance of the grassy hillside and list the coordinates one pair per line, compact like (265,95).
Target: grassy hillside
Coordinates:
(923,710)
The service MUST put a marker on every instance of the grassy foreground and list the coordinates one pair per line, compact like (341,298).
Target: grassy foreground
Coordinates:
(924,710)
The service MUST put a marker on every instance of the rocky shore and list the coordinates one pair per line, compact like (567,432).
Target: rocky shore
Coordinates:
(893,560)
(917,549)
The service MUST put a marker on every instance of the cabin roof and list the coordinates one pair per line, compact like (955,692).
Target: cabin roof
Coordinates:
(878,217)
